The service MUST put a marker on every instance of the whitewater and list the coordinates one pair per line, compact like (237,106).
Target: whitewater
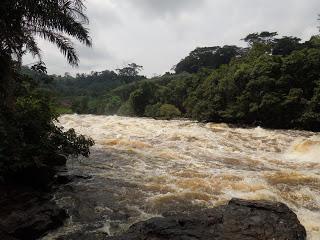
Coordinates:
(141,168)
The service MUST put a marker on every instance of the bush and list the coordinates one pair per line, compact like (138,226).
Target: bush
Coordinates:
(63,110)
(32,144)
(169,111)
(126,110)
(153,110)
(111,104)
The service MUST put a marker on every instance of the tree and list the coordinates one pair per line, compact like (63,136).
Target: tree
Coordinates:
(263,37)
(169,111)
(31,143)
(211,57)
(142,97)
(21,21)
(285,45)
(130,72)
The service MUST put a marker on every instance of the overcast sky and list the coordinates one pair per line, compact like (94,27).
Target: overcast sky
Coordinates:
(158,33)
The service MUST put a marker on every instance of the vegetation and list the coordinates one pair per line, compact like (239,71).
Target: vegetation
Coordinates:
(210,57)
(264,87)
(32,145)
(274,82)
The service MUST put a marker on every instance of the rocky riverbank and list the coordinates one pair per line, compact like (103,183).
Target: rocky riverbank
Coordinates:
(27,213)
(239,219)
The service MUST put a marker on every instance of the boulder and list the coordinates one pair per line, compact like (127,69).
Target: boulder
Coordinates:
(27,214)
(238,220)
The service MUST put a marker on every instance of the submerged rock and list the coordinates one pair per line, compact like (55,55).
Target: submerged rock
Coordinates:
(27,214)
(66,177)
(238,220)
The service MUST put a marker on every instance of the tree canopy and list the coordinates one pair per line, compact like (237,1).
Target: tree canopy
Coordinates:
(210,57)
(274,82)
(31,143)
(22,20)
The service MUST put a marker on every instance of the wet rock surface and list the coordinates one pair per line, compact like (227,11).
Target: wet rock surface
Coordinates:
(26,213)
(65,178)
(240,219)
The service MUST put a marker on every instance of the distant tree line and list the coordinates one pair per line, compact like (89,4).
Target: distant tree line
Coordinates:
(273,82)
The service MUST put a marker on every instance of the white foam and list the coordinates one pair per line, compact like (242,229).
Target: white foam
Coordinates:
(186,157)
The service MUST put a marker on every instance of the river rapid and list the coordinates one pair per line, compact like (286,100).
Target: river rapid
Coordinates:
(141,168)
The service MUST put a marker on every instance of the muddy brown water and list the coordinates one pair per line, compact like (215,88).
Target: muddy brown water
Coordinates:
(141,168)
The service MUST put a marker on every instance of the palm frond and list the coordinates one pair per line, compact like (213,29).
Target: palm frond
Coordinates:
(53,20)
(65,17)
(63,43)
(32,47)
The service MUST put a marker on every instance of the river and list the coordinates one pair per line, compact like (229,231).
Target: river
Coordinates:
(141,168)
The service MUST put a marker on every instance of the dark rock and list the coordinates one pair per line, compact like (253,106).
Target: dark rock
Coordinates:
(6,236)
(59,160)
(27,214)
(64,178)
(35,176)
(239,220)
(81,235)
(56,160)
(34,222)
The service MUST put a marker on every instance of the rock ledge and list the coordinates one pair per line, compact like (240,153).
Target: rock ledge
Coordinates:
(27,214)
(239,219)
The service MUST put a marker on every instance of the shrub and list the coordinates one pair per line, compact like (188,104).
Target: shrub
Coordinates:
(169,111)
(126,110)
(32,144)
(153,110)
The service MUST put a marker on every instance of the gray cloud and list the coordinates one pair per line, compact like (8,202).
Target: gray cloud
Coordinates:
(166,7)
(158,33)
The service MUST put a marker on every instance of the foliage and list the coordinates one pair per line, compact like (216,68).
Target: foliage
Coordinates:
(270,90)
(142,97)
(169,111)
(153,110)
(262,38)
(31,144)
(126,110)
(112,104)
(85,93)
(212,57)
(162,111)
(31,139)
(274,82)
(130,73)
(22,20)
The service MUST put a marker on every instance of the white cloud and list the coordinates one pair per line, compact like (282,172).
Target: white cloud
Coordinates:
(158,33)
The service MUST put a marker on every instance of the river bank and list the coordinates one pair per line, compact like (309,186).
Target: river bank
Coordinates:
(27,213)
